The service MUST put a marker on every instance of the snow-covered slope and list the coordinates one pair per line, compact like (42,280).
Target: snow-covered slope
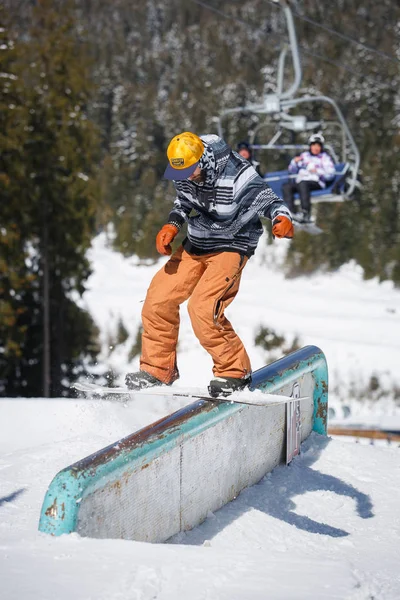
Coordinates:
(325,527)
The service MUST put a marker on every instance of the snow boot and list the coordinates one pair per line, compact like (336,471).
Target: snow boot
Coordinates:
(305,217)
(224,386)
(302,217)
(141,380)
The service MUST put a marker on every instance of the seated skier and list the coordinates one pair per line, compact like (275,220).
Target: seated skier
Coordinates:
(244,149)
(314,168)
(229,199)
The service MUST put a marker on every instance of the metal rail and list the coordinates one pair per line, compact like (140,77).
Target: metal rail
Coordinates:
(166,477)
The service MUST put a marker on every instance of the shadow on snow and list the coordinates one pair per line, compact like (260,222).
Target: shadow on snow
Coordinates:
(11,497)
(272,495)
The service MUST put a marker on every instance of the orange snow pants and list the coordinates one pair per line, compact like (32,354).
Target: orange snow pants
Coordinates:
(210,282)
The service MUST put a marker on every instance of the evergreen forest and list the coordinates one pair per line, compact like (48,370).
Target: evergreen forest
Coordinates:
(90,95)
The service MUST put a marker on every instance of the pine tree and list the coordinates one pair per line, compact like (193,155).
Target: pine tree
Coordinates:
(53,201)
(15,279)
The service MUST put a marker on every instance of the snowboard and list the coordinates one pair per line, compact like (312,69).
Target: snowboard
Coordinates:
(242,397)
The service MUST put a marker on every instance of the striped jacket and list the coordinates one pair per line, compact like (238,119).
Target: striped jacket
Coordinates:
(228,205)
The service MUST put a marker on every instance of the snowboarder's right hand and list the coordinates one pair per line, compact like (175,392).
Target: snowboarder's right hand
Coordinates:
(164,238)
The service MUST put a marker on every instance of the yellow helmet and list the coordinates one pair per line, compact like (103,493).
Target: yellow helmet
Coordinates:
(184,152)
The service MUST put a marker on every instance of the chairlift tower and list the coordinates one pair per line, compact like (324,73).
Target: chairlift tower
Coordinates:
(276,108)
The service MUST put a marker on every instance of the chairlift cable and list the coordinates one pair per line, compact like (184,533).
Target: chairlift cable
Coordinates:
(232,18)
(380,21)
(322,57)
(330,61)
(274,34)
(349,39)
(341,35)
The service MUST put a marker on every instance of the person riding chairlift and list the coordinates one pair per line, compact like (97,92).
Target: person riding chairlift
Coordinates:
(314,169)
(244,149)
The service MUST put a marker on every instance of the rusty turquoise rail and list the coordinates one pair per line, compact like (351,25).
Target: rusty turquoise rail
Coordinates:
(61,504)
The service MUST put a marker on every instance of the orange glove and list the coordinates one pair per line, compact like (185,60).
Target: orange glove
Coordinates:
(282,227)
(164,238)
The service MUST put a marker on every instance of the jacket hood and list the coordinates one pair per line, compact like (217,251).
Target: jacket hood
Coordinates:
(214,158)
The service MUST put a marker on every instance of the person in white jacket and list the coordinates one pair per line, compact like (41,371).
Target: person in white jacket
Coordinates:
(314,169)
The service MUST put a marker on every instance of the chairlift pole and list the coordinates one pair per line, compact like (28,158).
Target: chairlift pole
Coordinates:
(272,102)
(281,70)
(294,48)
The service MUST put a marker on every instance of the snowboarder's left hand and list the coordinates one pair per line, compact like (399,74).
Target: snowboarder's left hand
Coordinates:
(164,238)
(282,227)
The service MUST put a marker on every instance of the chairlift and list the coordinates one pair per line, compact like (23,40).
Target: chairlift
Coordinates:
(275,111)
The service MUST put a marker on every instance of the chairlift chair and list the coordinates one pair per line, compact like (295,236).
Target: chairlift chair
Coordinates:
(276,110)
(346,158)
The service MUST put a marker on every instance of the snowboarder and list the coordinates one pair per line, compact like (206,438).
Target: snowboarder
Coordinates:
(229,199)
(314,169)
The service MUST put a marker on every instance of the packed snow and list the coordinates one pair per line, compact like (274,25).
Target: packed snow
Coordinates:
(326,527)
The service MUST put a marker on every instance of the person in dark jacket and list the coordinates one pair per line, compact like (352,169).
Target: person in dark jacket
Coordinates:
(229,198)
(245,150)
